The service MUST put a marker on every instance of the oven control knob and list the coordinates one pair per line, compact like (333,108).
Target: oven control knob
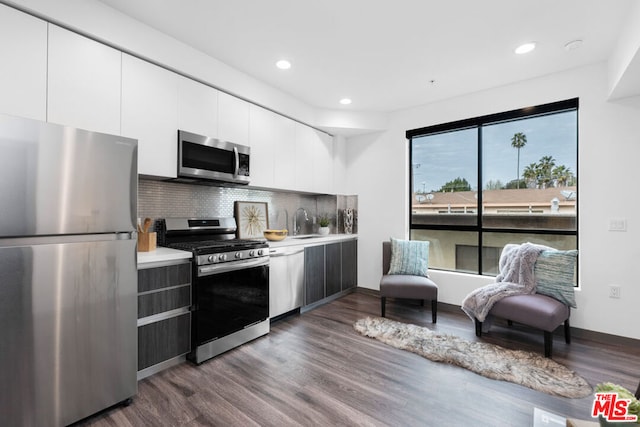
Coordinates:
(260,252)
(222,257)
(211,258)
(238,255)
(252,253)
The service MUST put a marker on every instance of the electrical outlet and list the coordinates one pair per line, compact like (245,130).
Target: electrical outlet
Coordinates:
(614,291)
(617,224)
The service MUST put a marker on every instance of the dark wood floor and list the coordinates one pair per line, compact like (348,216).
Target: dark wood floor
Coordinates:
(314,369)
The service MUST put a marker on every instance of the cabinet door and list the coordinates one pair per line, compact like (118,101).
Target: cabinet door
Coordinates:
(284,172)
(333,269)
(349,264)
(272,149)
(84,82)
(23,74)
(322,162)
(233,119)
(197,108)
(163,340)
(168,276)
(314,276)
(263,136)
(149,114)
(304,141)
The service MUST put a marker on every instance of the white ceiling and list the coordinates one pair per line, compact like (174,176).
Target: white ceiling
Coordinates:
(382,53)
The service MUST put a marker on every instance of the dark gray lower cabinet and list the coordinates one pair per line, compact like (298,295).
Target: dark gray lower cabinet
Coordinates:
(163,340)
(313,274)
(349,264)
(164,316)
(329,269)
(333,268)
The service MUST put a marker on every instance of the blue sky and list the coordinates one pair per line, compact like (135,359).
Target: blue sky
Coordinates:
(440,158)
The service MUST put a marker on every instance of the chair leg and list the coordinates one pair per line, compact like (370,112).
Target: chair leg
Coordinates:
(548,343)
(434,310)
(478,328)
(567,332)
(383,301)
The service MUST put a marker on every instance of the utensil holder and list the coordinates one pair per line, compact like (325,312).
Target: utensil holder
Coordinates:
(147,242)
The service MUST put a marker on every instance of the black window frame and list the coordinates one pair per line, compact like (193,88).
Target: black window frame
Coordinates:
(571,104)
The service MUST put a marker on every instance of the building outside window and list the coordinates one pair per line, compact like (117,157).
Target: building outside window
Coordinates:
(480,183)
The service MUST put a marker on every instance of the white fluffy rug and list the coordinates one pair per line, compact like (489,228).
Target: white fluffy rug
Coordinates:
(492,361)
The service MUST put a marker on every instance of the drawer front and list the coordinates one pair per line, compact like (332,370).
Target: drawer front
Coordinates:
(160,301)
(155,278)
(163,340)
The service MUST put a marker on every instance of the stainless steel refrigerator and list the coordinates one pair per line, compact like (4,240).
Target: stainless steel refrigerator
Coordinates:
(68,278)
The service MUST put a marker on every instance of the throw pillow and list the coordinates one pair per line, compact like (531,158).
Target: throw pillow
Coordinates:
(409,257)
(554,271)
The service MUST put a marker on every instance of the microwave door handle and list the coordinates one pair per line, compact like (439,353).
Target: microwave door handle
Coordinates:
(237,157)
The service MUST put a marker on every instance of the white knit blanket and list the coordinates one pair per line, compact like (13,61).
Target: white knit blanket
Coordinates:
(515,278)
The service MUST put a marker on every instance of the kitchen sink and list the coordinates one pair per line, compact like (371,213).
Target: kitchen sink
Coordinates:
(306,236)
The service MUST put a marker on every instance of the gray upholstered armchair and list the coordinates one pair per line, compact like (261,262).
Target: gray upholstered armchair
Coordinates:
(406,286)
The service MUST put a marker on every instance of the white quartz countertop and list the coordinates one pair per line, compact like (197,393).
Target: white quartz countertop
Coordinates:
(311,240)
(162,254)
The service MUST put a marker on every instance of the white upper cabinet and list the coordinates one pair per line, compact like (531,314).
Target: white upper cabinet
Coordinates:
(305,139)
(84,80)
(233,119)
(149,114)
(23,73)
(197,108)
(272,149)
(284,173)
(314,160)
(323,163)
(262,137)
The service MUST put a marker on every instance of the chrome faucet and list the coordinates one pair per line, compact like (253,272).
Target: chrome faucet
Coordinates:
(296,229)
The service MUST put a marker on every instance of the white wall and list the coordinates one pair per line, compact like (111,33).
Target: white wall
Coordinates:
(624,62)
(609,146)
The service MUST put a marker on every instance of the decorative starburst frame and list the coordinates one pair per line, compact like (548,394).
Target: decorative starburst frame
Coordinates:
(252,219)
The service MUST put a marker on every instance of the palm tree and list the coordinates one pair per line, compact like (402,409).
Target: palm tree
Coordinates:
(518,141)
(546,165)
(561,174)
(530,174)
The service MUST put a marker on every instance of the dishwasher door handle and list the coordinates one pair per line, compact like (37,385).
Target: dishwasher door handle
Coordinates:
(276,254)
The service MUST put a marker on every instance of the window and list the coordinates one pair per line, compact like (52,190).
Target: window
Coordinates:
(481,183)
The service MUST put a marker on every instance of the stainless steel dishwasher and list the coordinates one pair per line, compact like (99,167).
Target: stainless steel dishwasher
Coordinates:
(286,279)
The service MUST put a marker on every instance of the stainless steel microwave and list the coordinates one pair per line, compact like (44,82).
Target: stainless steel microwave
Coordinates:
(204,158)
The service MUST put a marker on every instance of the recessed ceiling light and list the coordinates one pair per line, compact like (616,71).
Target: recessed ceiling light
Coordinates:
(573,44)
(283,64)
(525,48)
(345,101)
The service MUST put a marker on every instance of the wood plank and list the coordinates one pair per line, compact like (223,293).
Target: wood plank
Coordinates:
(314,369)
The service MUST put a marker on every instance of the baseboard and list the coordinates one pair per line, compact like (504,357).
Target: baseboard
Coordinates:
(585,334)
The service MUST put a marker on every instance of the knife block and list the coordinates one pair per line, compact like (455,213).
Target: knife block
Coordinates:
(147,242)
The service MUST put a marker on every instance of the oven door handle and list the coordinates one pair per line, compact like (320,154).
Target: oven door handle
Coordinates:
(207,270)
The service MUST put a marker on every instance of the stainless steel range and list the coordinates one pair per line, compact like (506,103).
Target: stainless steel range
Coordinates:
(230,290)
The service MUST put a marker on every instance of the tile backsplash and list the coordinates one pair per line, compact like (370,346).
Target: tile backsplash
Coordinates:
(163,199)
